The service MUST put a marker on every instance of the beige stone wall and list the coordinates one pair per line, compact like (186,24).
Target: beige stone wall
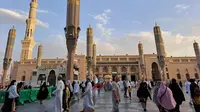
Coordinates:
(25,68)
(183,66)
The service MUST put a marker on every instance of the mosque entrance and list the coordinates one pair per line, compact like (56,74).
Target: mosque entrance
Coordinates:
(133,78)
(52,78)
(155,72)
(123,77)
(41,79)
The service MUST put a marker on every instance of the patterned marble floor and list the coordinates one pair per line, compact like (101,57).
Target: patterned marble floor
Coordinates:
(104,104)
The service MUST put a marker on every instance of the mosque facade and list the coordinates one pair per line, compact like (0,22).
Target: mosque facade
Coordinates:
(133,67)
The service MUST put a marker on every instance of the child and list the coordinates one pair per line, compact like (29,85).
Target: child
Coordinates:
(129,91)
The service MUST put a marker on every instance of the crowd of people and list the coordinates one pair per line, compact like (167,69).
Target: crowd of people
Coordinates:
(168,96)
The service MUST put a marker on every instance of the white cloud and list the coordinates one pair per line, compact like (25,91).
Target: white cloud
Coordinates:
(104,31)
(102,20)
(108,11)
(45,12)
(181,7)
(16,17)
(175,44)
(42,11)
(103,17)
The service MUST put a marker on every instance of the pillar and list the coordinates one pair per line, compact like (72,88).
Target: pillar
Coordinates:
(8,53)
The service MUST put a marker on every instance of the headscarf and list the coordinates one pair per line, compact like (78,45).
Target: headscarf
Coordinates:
(165,97)
(13,82)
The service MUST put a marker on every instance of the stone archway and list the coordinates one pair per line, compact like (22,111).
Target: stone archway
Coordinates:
(105,69)
(196,76)
(187,76)
(123,69)
(155,72)
(41,78)
(133,69)
(178,76)
(52,78)
(114,72)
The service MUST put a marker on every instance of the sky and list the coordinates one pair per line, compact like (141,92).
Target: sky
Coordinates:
(118,26)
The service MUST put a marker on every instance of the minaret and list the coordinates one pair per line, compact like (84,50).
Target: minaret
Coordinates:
(94,58)
(160,50)
(197,53)
(39,56)
(141,55)
(72,30)
(8,53)
(89,49)
(28,43)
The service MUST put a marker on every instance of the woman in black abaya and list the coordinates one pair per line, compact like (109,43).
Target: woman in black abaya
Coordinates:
(43,93)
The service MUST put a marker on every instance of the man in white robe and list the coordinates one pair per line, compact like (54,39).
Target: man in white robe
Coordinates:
(88,103)
(76,90)
(58,95)
(115,95)
(187,87)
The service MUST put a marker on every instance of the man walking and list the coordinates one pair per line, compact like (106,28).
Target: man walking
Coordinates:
(115,95)
(125,88)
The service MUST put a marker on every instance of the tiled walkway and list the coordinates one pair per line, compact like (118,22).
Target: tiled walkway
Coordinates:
(104,104)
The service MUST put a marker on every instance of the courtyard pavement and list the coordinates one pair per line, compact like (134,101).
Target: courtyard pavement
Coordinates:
(104,104)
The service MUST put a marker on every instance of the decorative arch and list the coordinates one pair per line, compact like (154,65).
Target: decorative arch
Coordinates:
(105,69)
(123,69)
(97,69)
(178,76)
(196,76)
(52,78)
(187,75)
(41,77)
(133,69)
(155,71)
(114,69)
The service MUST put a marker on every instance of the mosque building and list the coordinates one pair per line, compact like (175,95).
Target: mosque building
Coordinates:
(132,67)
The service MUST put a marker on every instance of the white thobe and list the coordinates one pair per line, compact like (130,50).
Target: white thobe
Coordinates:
(57,101)
(76,88)
(59,92)
(88,103)
(187,87)
(115,90)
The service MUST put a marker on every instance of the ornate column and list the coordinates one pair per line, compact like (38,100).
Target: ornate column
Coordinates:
(8,53)
(72,31)
(197,53)
(160,51)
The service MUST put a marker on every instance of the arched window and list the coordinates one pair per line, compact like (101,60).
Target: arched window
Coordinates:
(178,76)
(187,75)
(196,76)
(105,69)
(114,69)
(133,69)
(97,69)
(123,69)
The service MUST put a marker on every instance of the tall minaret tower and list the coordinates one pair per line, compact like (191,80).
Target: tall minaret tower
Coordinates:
(89,49)
(72,31)
(28,43)
(8,53)
(197,53)
(39,56)
(94,58)
(160,50)
(141,55)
